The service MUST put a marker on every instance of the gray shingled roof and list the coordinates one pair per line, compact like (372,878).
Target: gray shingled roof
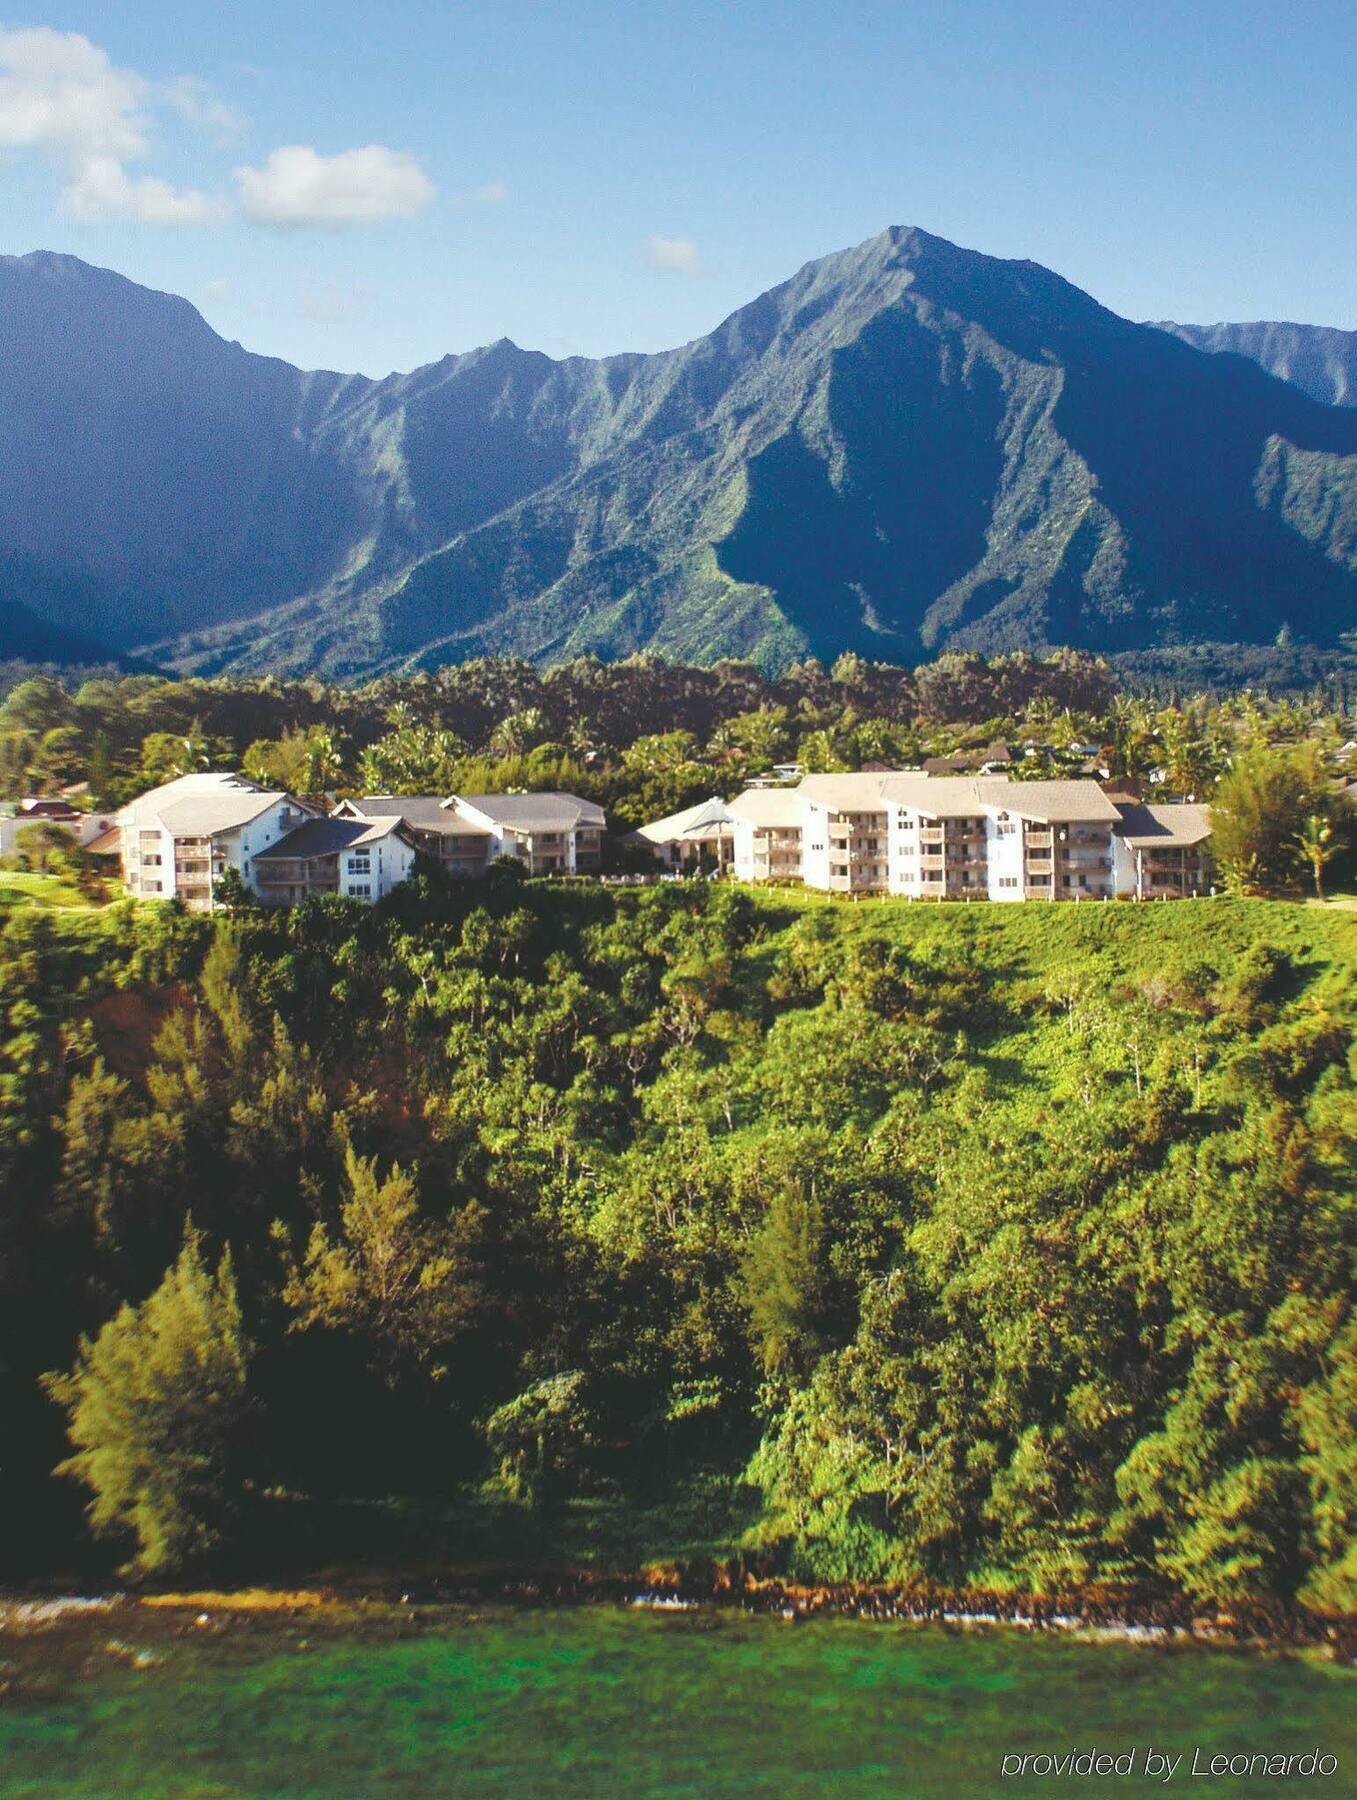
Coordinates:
(938,796)
(1165,827)
(535,812)
(426,811)
(202,815)
(327,837)
(1051,802)
(770,808)
(854,792)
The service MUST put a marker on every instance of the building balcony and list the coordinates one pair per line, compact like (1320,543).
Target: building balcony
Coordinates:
(1040,840)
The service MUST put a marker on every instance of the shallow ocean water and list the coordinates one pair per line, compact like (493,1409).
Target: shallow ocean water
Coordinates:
(603,1701)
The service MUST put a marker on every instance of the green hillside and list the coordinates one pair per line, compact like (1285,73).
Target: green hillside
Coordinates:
(989,1246)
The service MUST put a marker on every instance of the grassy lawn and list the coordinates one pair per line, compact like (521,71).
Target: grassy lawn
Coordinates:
(54,892)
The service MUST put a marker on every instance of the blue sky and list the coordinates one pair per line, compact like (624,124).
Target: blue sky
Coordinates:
(364,187)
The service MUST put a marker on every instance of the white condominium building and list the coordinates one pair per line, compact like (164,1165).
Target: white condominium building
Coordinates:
(550,834)
(178,840)
(963,837)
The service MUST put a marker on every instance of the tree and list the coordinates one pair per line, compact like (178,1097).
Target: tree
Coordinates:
(520,732)
(1256,810)
(166,755)
(231,894)
(387,1275)
(323,763)
(46,845)
(36,706)
(781,1280)
(154,1406)
(540,1438)
(1318,844)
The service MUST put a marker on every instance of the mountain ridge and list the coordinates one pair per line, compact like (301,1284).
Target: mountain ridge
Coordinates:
(1321,360)
(904,446)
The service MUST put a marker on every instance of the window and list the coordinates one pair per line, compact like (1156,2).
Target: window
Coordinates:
(360,890)
(360,865)
(1008,881)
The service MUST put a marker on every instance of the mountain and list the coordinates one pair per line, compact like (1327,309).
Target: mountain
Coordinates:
(905,447)
(1321,360)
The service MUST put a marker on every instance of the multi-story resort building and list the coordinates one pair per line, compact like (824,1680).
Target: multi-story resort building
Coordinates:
(957,837)
(355,857)
(550,834)
(1163,851)
(180,839)
(945,837)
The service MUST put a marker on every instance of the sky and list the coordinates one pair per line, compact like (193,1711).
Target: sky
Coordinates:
(367,187)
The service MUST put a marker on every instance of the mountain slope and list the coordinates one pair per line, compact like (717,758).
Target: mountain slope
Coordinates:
(1321,360)
(905,446)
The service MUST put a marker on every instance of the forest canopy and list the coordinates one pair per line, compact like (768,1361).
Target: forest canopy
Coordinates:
(1005,1246)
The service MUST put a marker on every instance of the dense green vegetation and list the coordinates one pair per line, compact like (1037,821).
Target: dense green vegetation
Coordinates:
(990,1245)
(905,447)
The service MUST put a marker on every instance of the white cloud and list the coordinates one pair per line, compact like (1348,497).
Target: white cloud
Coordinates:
(61,96)
(298,186)
(676,255)
(195,101)
(102,189)
(59,93)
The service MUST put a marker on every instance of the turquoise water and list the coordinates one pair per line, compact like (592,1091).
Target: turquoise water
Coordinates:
(601,1701)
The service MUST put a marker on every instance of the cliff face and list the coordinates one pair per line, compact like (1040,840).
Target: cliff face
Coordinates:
(906,446)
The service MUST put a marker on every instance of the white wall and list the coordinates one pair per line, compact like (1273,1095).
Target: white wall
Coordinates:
(262,833)
(815,844)
(902,851)
(370,871)
(1123,866)
(1003,850)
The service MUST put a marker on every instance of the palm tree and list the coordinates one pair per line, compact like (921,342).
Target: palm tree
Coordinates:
(322,765)
(520,732)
